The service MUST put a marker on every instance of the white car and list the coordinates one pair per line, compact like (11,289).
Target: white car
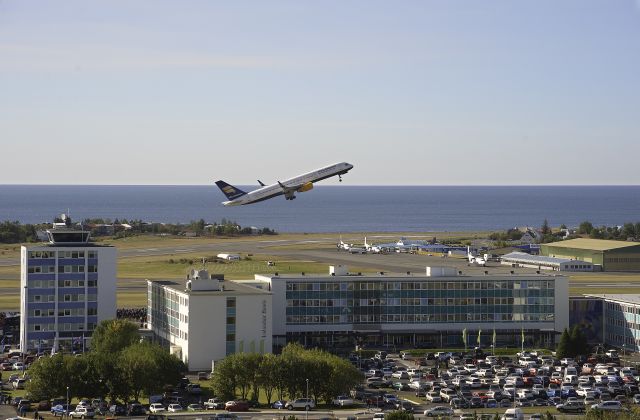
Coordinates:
(434,397)
(343,401)
(174,408)
(156,408)
(82,412)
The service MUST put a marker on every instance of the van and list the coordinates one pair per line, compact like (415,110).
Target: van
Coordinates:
(512,414)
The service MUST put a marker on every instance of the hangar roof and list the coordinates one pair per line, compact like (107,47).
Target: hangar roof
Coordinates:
(593,244)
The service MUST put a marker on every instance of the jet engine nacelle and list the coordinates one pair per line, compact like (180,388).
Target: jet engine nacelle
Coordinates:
(306,187)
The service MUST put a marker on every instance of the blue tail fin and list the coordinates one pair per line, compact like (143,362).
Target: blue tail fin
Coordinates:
(229,190)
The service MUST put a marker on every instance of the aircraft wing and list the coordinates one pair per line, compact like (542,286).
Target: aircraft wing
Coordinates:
(290,190)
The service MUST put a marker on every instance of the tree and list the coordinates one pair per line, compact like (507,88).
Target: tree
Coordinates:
(268,375)
(545,227)
(109,339)
(585,228)
(564,345)
(579,341)
(147,367)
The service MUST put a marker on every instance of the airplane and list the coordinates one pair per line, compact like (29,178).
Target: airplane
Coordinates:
(475,259)
(370,247)
(342,245)
(288,188)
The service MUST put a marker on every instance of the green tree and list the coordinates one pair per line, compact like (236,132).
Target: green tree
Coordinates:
(564,346)
(545,229)
(224,378)
(269,373)
(47,375)
(147,367)
(579,341)
(585,228)
(109,339)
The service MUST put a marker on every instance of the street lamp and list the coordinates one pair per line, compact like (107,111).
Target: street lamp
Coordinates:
(306,414)
(67,401)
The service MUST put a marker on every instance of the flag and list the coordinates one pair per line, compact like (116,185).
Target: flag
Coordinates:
(479,336)
(494,337)
(522,333)
(464,337)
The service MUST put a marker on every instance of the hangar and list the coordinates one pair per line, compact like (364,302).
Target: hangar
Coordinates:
(610,255)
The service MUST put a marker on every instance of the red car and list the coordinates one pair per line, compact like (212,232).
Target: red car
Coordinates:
(237,405)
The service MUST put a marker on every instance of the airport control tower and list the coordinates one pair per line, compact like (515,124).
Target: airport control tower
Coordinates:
(67,287)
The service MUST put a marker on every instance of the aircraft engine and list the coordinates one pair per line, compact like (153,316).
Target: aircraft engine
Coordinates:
(306,187)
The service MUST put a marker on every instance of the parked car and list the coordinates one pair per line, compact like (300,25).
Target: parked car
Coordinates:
(136,409)
(571,407)
(203,376)
(214,404)
(237,405)
(608,406)
(280,404)
(174,408)
(59,410)
(194,389)
(439,411)
(82,412)
(301,403)
(118,410)
(155,408)
(343,401)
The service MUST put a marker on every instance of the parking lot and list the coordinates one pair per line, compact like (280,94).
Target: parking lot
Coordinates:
(453,384)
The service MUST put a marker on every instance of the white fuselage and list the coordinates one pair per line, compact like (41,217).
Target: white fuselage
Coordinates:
(276,189)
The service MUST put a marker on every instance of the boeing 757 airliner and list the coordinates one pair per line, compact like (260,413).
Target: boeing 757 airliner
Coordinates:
(287,188)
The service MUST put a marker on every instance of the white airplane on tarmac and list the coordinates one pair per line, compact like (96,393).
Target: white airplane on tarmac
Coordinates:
(473,259)
(288,188)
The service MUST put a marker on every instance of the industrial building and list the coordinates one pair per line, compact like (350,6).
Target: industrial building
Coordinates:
(68,286)
(206,318)
(603,254)
(431,309)
(521,259)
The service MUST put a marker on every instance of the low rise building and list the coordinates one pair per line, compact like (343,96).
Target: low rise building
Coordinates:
(341,310)
(609,255)
(521,259)
(205,318)
(621,320)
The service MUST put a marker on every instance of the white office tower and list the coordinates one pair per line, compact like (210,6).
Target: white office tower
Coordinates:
(207,318)
(68,286)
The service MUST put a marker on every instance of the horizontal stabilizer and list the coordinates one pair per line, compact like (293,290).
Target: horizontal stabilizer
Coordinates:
(229,190)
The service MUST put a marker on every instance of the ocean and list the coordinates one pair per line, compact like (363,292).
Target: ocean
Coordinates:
(340,208)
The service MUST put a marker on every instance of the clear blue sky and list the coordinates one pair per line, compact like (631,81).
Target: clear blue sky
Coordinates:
(410,92)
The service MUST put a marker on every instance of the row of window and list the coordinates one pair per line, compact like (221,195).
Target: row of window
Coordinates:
(51,284)
(39,269)
(620,307)
(621,260)
(418,302)
(422,285)
(61,254)
(64,326)
(231,326)
(414,318)
(63,312)
(80,297)
(620,339)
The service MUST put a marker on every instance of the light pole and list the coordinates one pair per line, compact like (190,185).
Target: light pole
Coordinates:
(67,402)
(306,409)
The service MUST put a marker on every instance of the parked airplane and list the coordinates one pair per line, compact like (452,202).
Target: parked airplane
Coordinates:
(473,259)
(342,245)
(287,188)
(370,247)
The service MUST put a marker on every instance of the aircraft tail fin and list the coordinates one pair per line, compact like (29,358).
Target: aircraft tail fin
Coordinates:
(229,190)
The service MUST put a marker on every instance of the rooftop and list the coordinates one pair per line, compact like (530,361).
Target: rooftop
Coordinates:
(535,259)
(593,244)
(633,299)
(228,287)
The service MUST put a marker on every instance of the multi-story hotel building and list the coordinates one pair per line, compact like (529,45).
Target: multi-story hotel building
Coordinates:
(68,286)
(207,318)
(341,309)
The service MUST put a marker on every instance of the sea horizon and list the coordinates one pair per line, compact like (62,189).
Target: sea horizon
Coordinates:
(334,208)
